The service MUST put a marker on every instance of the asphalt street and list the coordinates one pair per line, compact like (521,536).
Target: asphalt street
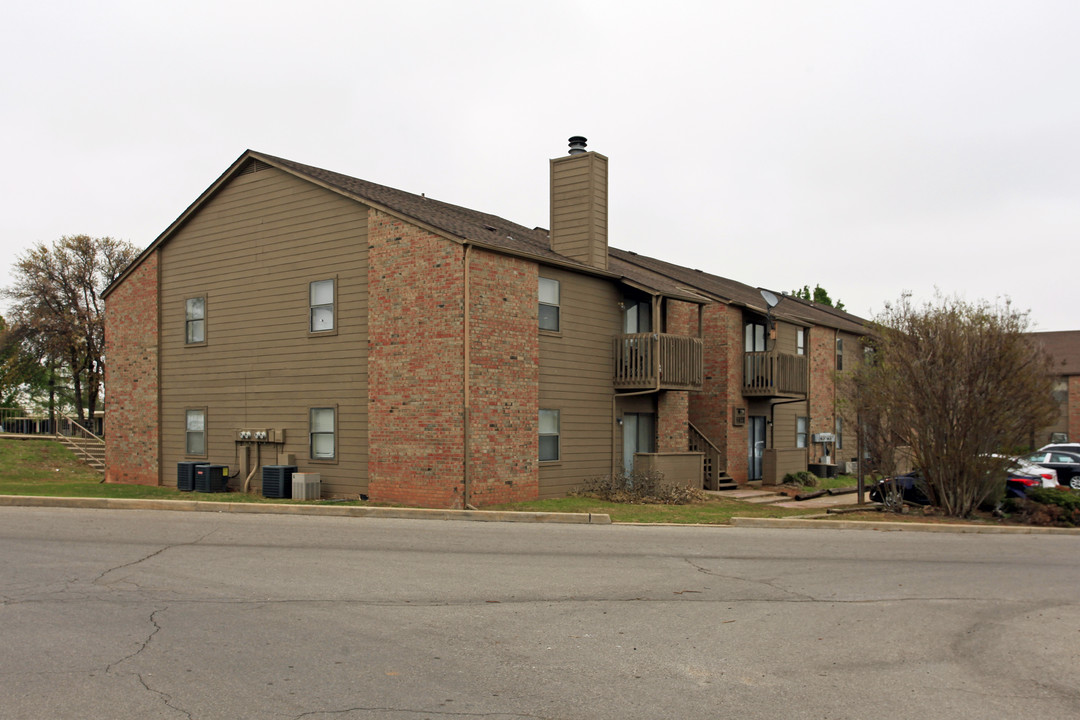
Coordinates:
(143,614)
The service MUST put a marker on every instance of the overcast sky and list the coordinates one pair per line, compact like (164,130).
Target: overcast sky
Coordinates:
(871,147)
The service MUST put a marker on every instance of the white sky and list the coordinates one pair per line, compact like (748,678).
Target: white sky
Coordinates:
(869,146)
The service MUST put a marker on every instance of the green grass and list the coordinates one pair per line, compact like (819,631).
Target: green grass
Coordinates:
(45,467)
(718,511)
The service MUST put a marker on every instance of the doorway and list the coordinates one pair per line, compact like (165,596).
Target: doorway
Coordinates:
(638,435)
(756,436)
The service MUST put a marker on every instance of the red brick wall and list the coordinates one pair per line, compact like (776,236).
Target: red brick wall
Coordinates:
(822,348)
(710,409)
(671,429)
(1074,409)
(682,318)
(131,378)
(415,361)
(737,436)
(504,379)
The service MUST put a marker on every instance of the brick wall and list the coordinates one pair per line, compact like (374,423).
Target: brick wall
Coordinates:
(131,378)
(416,381)
(710,409)
(504,379)
(682,318)
(738,437)
(672,433)
(822,349)
(1074,409)
(415,402)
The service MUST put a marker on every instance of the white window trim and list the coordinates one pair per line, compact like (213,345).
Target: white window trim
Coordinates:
(333,305)
(557,304)
(557,435)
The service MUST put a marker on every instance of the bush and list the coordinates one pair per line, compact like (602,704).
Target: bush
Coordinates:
(639,487)
(1053,507)
(802,477)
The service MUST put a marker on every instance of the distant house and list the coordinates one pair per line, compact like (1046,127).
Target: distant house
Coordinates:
(1064,350)
(418,352)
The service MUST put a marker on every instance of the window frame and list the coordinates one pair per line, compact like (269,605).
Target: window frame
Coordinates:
(333,433)
(188,433)
(804,434)
(333,305)
(541,304)
(839,433)
(753,331)
(839,353)
(541,435)
(188,321)
(800,341)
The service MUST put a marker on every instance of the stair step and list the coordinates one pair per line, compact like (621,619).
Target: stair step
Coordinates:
(728,486)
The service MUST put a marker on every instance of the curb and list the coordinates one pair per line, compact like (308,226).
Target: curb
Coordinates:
(326,510)
(804,524)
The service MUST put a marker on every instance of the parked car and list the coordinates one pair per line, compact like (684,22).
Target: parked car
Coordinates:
(913,488)
(1066,463)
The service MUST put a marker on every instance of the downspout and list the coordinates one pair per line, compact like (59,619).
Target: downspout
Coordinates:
(466,442)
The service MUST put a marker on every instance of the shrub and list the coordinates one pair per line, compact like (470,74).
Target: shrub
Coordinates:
(1055,507)
(802,477)
(639,487)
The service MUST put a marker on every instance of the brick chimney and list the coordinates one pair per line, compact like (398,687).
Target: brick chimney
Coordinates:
(579,205)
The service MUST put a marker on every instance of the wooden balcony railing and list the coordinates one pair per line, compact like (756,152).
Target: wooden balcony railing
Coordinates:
(774,374)
(643,358)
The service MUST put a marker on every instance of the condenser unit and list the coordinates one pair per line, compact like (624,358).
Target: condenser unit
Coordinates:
(277,481)
(306,486)
(211,478)
(185,476)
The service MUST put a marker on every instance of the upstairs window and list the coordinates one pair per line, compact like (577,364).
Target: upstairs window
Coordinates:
(800,341)
(549,435)
(323,433)
(195,432)
(839,353)
(754,337)
(549,304)
(839,433)
(801,426)
(195,321)
(322,306)
(637,317)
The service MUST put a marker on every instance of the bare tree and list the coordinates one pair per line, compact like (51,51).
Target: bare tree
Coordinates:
(960,385)
(57,312)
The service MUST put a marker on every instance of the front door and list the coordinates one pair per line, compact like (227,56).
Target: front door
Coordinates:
(756,434)
(638,435)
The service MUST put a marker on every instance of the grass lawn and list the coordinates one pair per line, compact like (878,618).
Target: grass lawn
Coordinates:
(45,467)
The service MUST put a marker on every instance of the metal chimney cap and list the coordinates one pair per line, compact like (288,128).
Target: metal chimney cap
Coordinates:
(577,145)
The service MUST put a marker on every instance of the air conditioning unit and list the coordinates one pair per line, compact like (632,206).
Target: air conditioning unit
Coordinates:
(277,481)
(306,486)
(185,476)
(211,478)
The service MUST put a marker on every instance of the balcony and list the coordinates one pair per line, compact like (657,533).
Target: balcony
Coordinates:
(642,359)
(774,374)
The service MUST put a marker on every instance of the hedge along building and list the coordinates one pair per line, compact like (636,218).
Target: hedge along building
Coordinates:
(404,348)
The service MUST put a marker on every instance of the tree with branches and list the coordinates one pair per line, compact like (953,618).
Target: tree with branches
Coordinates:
(819,295)
(57,315)
(960,385)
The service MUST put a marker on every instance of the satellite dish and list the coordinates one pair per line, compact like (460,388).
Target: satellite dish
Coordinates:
(770,299)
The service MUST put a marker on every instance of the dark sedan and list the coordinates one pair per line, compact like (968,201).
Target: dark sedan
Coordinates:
(1066,463)
(912,488)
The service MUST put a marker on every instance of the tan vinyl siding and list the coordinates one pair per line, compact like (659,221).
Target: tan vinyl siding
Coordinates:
(579,208)
(252,251)
(576,379)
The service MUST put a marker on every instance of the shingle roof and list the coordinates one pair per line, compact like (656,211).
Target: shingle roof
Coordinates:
(1064,349)
(733,291)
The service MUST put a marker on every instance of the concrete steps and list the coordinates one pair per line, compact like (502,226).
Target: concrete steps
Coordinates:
(89,451)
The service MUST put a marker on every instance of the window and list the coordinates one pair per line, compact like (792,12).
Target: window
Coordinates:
(637,317)
(839,353)
(549,435)
(801,426)
(755,337)
(549,304)
(322,433)
(800,341)
(195,432)
(195,321)
(839,433)
(322,306)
